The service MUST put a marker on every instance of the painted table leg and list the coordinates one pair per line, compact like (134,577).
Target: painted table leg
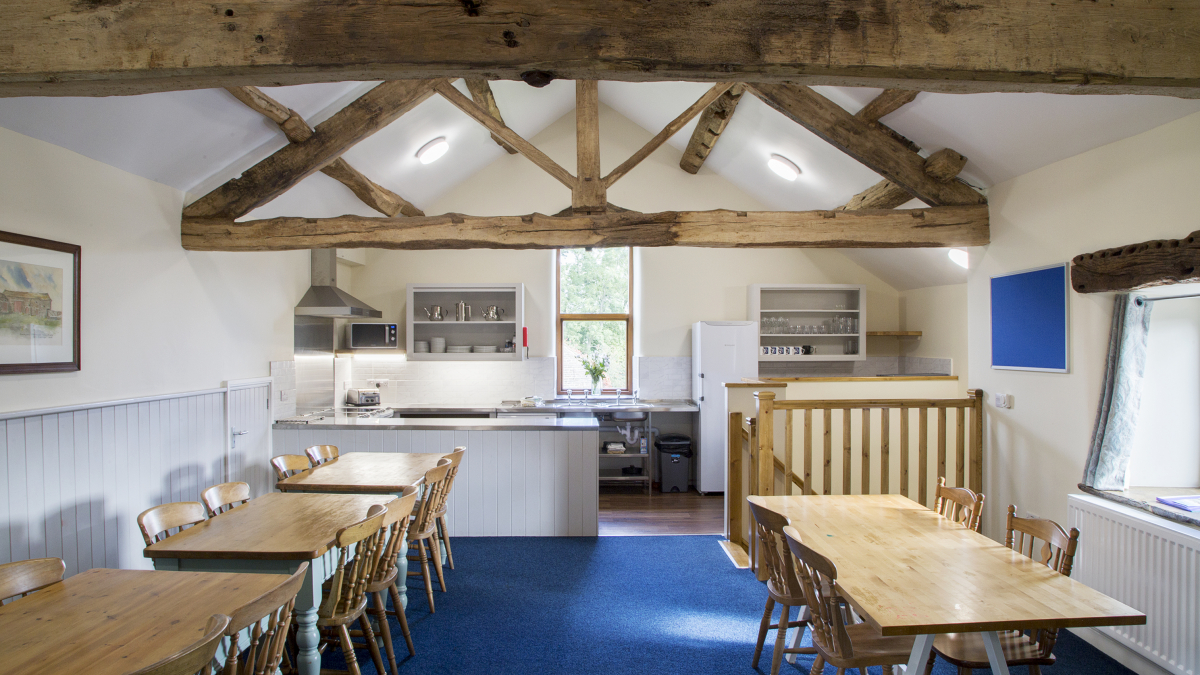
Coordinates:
(308,661)
(995,653)
(920,655)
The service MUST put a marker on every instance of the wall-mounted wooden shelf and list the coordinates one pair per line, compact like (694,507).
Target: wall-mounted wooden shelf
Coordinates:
(893,333)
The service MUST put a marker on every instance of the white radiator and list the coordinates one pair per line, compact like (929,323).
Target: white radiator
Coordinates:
(1148,563)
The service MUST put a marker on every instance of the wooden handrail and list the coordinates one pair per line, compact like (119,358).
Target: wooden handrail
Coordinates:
(853,404)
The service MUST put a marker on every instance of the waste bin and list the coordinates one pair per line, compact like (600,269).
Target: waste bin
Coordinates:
(675,459)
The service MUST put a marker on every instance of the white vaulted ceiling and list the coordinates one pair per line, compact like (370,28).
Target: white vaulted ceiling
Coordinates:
(196,140)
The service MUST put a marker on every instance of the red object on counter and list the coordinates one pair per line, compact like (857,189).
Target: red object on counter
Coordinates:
(524,336)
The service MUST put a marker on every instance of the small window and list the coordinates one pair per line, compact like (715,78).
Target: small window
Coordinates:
(595,320)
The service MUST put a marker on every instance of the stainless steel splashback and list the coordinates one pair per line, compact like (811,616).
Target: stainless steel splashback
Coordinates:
(315,341)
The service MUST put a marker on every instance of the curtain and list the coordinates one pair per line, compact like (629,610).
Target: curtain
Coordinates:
(1116,419)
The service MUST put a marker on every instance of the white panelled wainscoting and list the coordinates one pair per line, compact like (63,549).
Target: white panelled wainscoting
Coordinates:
(76,478)
(1149,563)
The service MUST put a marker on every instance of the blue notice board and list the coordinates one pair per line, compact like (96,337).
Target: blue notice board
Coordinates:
(1030,320)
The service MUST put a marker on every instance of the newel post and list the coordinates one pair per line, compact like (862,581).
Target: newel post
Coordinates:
(765,403)
(976,439)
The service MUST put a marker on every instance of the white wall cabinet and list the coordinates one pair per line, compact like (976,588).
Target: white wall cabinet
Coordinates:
(809,322)
(476,332)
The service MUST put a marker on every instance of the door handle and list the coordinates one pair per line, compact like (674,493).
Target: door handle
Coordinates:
(234,434)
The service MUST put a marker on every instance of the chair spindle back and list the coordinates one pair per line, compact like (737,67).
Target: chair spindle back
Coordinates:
(959,504)
(768,526)
(195,658)
(18,579)
(319,454)
(266,642)
(157,522)
(289,465)
(396,522)
(220,498)
(1057,552)
(437,488)
(818,576)
(355,567)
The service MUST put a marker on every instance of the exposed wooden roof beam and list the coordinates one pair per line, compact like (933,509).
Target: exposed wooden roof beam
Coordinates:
(1144,265)
(708,129)
(294,162)
(297,130)
(864,142)
(668,131)
(886,103)
(942,165)
(481,93)
(937,227)
(100,48)
(509,136)
(589,194)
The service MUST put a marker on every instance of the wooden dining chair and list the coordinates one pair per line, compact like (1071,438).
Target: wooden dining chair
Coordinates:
(839,643)
(783,588)
(18,579)
(443,532)
(220,498)
(384,580)
(268,616)
(319,454)
(195,658)
(423,531)
(360,552)
(289,465)
(959,504)
(1035,648)
(159,522)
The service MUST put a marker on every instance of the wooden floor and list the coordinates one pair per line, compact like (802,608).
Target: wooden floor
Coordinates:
(628,511)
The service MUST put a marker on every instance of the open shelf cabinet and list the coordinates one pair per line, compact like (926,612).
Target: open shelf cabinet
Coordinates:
(839,310)
(510,298)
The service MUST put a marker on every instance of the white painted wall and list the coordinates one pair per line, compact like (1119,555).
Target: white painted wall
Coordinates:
(155,319)
(675,286)
(940,313)
(1133,190)
(1167,443)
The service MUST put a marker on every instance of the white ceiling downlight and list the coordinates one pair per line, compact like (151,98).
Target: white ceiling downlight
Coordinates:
(783,166)
(959,257)
(433,150)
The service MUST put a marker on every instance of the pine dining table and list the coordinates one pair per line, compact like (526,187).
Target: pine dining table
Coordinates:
(272,534)
(908,571)
(111,622)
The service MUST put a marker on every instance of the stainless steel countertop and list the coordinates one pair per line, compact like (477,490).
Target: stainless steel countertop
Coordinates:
(457,423)
(559,406)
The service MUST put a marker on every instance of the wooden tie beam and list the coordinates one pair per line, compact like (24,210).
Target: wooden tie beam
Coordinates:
(1144,265)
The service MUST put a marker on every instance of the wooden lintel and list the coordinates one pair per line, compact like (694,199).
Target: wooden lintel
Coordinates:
(709,127)
(934,227)
(865,143)
(107,47)
(294,162)
(481,115)
(589,194)
(942,165)
(297,130)
(481,93)
(667,132)
(1144,265)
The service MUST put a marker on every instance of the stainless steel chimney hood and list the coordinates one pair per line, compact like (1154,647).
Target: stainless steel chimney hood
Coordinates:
(324,298)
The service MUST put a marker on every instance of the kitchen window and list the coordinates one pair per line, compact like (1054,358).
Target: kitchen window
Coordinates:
(595,320)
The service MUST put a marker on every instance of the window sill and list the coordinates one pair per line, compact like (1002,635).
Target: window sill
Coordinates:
(1144,499)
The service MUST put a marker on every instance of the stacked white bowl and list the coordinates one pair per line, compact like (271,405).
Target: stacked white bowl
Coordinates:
(437,345)
(421,346)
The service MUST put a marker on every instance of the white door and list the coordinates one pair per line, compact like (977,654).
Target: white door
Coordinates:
(250,436)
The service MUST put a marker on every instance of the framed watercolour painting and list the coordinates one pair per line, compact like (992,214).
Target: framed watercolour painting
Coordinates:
(39,305)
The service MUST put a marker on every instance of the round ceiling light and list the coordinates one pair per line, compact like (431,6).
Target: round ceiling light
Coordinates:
(783,166)
(959,257)
(433,150)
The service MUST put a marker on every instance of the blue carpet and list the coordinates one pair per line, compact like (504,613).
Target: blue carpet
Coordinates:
(609,605)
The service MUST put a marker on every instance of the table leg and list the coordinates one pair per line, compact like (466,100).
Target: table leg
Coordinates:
(308,661)
(920,655)
(991,644)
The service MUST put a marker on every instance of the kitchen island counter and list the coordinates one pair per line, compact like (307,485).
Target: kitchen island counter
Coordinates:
(451,423)
(553,406)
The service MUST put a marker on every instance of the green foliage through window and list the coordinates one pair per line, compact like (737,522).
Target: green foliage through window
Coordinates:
(594,282)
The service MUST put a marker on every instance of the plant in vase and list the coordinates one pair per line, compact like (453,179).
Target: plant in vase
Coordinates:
(595,367)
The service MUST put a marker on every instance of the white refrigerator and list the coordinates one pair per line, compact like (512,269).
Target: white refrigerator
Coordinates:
(722,351)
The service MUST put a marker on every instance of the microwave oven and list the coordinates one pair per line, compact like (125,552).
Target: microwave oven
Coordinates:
(372,336)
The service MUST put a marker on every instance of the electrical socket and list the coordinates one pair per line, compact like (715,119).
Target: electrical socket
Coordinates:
(377,383)
(1002,400)
(283,396)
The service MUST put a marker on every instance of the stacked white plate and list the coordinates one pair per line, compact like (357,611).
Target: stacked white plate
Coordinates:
(485,349)
(458,350)
(437,345)
(421,347)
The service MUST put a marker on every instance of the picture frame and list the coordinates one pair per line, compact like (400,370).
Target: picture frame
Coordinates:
(39,305)
(1031,320)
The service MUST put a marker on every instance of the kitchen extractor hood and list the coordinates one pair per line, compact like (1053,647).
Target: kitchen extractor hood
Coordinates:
(324,298)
